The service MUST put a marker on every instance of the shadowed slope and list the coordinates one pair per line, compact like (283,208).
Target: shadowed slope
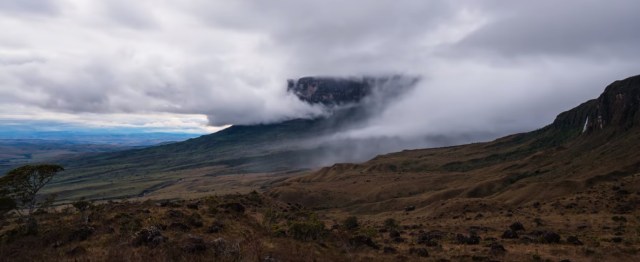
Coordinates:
(592,143)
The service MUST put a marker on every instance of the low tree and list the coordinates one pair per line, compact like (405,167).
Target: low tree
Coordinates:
(20,189)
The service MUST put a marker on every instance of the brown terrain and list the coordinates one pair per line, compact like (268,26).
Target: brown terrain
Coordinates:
(567,192)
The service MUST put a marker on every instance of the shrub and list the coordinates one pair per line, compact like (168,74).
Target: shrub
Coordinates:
(128,223)
(350,223)
(369,232)
(271,217)
(307,230)
(254,197)
(391,224)
(276,231)
(6,204)
(82,205)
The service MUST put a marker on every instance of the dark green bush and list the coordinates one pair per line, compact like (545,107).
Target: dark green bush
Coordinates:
(391,224)
(350,223)
(307,230)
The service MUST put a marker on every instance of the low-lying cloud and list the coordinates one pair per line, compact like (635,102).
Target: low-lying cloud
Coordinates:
(488,68)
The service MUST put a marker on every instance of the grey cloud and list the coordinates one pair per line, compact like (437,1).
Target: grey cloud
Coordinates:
(37,7)
(334,37)
(562,28)
(131,14)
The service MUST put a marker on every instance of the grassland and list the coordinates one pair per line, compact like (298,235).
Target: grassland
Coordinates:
(601,223)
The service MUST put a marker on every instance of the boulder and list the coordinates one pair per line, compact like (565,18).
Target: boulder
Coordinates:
(517,226)
(150,236)
(551,237)
(509,234)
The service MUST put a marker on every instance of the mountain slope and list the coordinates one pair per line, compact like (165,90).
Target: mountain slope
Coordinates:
(590,144)
(266,148)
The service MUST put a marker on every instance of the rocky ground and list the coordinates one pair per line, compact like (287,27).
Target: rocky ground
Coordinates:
(599,224)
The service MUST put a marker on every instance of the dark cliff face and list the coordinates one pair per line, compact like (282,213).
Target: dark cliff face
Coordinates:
(617,109)
(619,105)
(331,91)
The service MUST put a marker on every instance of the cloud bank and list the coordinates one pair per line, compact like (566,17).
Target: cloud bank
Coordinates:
(486,67)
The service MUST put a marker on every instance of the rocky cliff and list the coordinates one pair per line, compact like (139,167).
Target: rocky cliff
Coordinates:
(617,109)
(330,91)
(333,91)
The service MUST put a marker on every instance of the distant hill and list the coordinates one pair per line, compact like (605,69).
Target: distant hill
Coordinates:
(55,131)
(23,141)
(16,152)
(594,143)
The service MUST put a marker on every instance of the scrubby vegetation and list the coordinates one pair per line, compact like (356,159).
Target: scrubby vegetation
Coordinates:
(599,223)
(256,227)
(246,227)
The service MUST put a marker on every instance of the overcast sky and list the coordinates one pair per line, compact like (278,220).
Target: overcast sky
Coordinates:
(196,65)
